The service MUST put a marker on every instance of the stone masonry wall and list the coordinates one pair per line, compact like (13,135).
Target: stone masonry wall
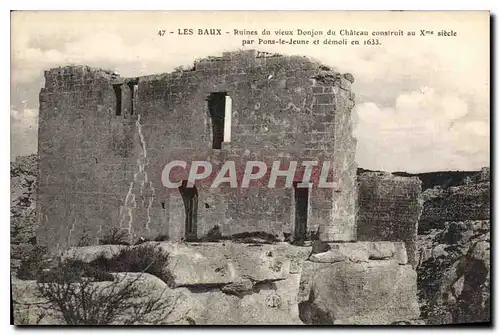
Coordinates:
(457,203)
(389,209)
(100,170)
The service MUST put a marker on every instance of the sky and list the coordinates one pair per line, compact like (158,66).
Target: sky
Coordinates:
(422,102)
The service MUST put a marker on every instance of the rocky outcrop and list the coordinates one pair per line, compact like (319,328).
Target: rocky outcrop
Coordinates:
(470,201)
(454,253)
(234,283)
(32,308)
(226,283)
(454,273)
(23,174)
(364,283)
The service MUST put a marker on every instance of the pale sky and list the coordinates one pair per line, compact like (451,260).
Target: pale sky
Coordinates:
(422,103)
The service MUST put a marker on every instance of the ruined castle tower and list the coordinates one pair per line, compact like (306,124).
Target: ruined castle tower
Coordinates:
(104,140)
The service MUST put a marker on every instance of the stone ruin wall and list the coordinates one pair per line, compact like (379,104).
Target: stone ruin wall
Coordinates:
(100,170)
(389,209)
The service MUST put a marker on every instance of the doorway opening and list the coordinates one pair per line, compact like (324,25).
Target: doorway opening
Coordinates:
(190,200)
(301,211)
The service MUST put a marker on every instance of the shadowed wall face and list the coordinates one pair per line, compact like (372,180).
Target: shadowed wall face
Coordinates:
(104,140)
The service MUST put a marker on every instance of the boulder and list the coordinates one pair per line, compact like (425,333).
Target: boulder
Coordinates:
(369,293)
(260,263)
(189,266)
(224,263)
(270,303)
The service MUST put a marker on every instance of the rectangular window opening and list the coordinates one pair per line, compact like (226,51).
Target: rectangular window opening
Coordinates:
(301,211)
(220,110)
(118,96)
(133,86)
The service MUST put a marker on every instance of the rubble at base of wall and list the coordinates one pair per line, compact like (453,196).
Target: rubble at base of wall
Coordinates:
(233,283)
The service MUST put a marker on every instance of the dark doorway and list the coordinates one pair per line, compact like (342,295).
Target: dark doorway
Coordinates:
(301,209)
(217,110)
(190,199)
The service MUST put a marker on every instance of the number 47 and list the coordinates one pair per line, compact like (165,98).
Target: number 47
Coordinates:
(161,32)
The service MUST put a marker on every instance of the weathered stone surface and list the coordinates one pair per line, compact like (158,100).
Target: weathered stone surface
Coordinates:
(260,263)
(454,261)
(306,279)
(270,303)
(224,263)
(466,201)
(214,263)
(376,292)
(296,254)
(470,201)
(204,265)
(389,209)
(400,254)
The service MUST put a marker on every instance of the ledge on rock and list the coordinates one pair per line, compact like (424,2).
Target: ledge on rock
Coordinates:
(362,252)
(225,263)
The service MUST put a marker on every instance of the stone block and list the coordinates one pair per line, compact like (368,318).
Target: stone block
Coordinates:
(371,293)
(191,266)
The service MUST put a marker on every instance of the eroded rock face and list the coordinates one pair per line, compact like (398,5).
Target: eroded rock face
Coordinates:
(470,201)
(225,263)
(454,252)
(375,292)
(454,273)
(358,283)
(220,283)
(231,283)
(22,207)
